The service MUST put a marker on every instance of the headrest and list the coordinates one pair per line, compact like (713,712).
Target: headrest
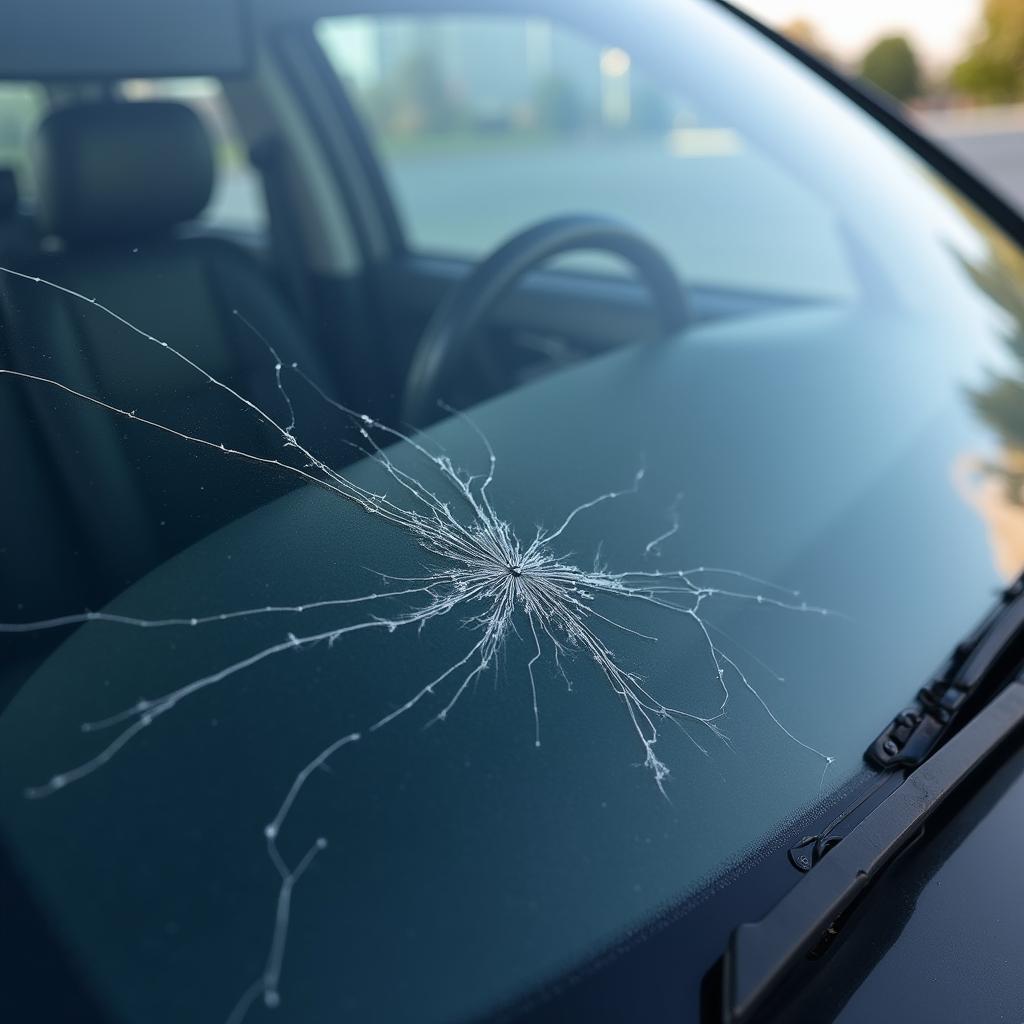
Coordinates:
(108,171)
(8,194)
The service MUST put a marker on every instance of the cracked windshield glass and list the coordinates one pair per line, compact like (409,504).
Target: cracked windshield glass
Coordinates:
(473,485)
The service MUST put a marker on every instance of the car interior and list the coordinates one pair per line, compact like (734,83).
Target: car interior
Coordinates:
(119,188)
(119,182)
(111,192)
(248,202)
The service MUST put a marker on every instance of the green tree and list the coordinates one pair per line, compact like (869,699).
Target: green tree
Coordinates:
(891,64)
(1000,402)
(993,70)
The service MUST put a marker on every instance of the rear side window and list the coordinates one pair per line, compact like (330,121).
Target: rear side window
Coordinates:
(237,201)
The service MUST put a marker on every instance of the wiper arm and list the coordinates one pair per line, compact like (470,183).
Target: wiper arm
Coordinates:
(975,669)
(979,665)
(761,954)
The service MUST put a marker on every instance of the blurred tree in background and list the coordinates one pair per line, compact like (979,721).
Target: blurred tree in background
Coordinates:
(993,70)
(415,99)
(892,65)
(805,33)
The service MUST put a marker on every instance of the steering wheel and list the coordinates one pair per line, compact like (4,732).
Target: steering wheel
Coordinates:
(454,329)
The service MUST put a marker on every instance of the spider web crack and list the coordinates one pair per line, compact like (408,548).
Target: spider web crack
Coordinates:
(479,569)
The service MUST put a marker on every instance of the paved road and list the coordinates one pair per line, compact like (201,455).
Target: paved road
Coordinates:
(990,143)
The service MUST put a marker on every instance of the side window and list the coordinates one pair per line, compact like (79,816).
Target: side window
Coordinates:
(486,124)
(237,201)
(22,105)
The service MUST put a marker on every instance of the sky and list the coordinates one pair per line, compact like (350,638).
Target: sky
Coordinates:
(939,28)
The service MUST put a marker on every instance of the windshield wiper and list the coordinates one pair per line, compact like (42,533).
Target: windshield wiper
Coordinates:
(761,954)
(974,671)
(942,746)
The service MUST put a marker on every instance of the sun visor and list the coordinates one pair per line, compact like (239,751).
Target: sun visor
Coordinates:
(122,38)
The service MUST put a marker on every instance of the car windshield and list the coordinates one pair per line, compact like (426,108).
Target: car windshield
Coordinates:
(304,705)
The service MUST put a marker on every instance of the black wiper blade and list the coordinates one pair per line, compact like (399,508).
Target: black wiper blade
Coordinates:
(974,671)
(761,954)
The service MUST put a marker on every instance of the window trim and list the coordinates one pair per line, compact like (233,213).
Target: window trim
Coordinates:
(344,142)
